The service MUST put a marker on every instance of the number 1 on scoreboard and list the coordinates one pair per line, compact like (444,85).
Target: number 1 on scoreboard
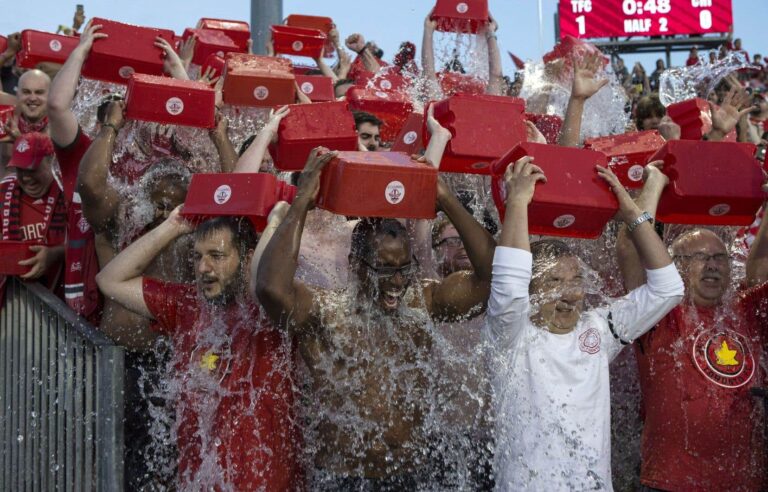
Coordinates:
(582,25)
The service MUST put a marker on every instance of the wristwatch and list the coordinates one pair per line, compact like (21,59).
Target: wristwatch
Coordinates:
(644,217)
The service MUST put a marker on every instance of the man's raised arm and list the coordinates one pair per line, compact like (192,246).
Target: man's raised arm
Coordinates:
(121,280)
(289,303)
(757,261)
(100,200)
(585,85)
(62,122)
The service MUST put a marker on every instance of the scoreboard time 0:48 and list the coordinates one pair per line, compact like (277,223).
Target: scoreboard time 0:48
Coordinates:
(619,18)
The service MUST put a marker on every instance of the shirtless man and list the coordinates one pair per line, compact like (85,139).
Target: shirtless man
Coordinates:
(366,346)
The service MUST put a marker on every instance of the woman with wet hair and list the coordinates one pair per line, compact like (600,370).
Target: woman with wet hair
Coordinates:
(550,368)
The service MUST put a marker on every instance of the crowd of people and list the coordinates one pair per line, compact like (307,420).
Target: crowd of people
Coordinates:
(342,353)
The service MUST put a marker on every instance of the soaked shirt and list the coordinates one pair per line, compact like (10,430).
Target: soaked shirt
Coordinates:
(552,394)
(232,389)
(703,429)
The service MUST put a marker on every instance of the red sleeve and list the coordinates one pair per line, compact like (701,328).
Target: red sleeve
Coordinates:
(162,301)
(69,161)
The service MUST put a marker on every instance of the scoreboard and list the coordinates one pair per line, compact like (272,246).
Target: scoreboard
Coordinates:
(619,18)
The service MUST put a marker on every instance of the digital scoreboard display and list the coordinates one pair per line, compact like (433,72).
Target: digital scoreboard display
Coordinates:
(620,18)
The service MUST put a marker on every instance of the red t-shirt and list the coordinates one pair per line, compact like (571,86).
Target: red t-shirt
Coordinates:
(235,403)
(703,430)
(81,263)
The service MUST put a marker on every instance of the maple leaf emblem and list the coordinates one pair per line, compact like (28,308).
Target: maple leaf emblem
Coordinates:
(208,361)
(726,356)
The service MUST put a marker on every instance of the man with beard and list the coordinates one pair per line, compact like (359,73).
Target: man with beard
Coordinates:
(367,346)
(703,429)
(231,371)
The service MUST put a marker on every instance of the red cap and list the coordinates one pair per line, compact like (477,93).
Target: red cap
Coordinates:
(30,149)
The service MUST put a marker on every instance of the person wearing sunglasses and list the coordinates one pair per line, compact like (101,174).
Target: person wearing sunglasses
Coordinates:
(703,428)
(368,347)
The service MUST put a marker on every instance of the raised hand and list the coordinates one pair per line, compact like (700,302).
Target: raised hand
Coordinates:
(521,178)
(434,127)
(178,223)
(669,129)
(172,65)
(187,50)
(115,115)
(355,42)
(309,181)
(89,35)
(736,104)
(628,209)
(652,174)
(209,77)
(586,82)
(275,117)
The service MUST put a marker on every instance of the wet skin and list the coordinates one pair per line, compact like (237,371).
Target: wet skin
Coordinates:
(560,289)
(706,280)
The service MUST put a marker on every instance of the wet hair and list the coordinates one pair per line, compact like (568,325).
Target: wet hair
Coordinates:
(547,251)
(469,200)
(363,117)
(101,110)
(438,226)
(647,107)
(367,230)
(244,237)
(165,169)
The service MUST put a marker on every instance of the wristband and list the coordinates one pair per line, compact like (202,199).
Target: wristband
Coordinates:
(644,217)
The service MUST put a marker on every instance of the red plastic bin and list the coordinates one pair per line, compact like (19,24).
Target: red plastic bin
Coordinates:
(392,184)
(250,195)
(238,31)
(261,81)
(318,88)
(298,41)
(170,101)
(323,24)
(327,124)
(129,49)
(210,42)
(385,80)
(11,253)
(483,127)
(711,183)
(695,119)
(452,83)
(390,107)
(574,202)
(408,140)
(628,153)
(215,62)
(460,15)
(38,47)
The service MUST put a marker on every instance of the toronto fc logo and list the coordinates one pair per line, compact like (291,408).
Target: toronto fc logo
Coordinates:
(724,358)
(589,341)
(394,192)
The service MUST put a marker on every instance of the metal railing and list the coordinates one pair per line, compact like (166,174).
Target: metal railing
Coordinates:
(61,400)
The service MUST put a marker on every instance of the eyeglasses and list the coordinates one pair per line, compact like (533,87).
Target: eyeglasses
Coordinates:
(388,272)
(453,242)
(704,257)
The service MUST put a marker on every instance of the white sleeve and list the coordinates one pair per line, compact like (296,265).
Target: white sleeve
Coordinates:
(631,316)
(509,305)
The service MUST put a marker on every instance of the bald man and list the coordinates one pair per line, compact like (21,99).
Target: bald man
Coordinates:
(31,104)
(703,429)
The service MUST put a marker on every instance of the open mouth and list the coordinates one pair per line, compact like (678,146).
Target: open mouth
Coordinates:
(565,308)
(392,298)
(710,280)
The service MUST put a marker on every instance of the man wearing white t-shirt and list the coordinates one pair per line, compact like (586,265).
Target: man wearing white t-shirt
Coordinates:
(551,362)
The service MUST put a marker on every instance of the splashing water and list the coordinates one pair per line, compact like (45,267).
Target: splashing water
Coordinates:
(683,83)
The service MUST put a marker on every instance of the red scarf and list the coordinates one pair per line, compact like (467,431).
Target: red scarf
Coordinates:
(55,211)
(26,126)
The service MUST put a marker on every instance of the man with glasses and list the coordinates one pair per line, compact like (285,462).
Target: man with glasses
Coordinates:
(703,428)
(367,347)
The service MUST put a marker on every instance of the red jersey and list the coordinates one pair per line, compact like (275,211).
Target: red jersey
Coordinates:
(232,373)
(703,430)
(81,263)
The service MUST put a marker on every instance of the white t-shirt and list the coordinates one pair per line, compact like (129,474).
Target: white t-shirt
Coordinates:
(551,392)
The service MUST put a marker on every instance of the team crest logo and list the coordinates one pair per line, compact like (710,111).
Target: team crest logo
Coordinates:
(395,192)
(222,194)
(724,358)
(211,362)
(22,147)
(83,225)
(589,341)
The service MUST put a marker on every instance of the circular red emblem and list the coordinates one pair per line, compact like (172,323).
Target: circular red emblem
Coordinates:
(589,341)
(724,358)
